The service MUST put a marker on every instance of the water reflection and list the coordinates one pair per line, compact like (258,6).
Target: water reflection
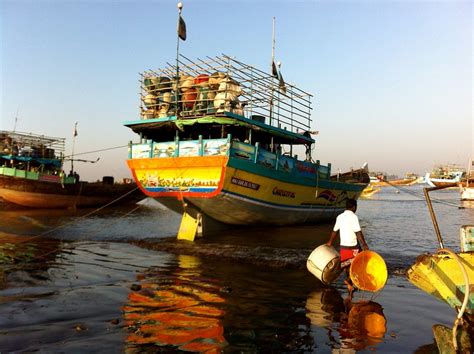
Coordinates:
(173,310)
(351,326)
(25,260)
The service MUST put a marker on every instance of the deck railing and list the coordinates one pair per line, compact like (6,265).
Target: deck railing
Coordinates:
(227,147)
(223,84)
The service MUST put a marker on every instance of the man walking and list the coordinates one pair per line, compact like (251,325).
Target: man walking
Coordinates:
(351,239)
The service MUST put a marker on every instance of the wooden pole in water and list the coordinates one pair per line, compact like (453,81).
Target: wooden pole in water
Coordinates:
(432,213)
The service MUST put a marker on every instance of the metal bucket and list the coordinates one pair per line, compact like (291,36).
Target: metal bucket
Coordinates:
(324,263)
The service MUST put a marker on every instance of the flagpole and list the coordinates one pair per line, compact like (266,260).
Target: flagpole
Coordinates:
(272,66)
(73,143)
(180,7)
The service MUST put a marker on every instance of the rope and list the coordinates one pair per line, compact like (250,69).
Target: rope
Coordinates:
(91,152)
(419,195)
(70,223)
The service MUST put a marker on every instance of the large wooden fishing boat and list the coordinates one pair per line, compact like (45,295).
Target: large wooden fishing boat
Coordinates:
(31,175)
(225,140)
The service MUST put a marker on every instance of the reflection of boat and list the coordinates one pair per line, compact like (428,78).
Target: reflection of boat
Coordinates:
(466,187)
(445,176)
(31,175)
(177,315)
(448,275)
(360,324)
(33,255)
(248,180)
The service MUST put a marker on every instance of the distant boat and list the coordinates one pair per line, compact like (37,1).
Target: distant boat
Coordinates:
(445,176)
(380,180)
(31,175)
(466,187)
(369,191)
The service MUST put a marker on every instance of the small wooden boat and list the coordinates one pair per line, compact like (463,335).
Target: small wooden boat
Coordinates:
(448,275)
(445,176)
(31,175)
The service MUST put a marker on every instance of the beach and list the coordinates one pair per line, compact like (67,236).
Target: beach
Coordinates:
(119,281)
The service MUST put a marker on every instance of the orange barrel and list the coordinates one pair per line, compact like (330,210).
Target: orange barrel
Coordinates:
(202,80)
(324,263)
(189,97)
(368,271)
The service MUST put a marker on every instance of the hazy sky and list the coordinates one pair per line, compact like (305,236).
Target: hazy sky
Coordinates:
(392,81)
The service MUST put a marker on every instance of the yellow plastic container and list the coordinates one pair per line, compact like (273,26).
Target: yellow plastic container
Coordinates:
(368,271)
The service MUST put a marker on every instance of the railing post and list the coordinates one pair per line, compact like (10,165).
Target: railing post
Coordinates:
(151,149)
(201,146)
(329,170)
(176,149)
(257,147)
(130,144)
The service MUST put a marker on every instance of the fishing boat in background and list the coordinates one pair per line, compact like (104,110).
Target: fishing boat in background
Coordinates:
(222,142)
(369,191)
(466,187)
(445,176)
(31,175)
(449,276)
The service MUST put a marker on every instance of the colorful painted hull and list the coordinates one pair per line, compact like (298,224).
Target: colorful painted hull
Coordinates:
(54,195)
(238,191)
(440,276)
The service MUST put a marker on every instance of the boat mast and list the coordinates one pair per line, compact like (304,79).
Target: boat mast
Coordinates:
(272,68)
(73,144)
(178,28)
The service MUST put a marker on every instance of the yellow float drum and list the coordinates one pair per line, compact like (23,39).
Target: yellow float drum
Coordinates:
(368,271)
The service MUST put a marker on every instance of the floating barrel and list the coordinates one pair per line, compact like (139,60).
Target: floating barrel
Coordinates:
(324,263)
(368,271)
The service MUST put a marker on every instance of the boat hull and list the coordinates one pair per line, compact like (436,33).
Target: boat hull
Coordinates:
(240,192)
(52,195)
(440,276)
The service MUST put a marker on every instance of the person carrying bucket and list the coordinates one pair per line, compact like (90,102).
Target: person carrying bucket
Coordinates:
(351,239)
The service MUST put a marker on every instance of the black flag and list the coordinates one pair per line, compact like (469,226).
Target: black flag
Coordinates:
(182,28)
(274,70)
(282,83)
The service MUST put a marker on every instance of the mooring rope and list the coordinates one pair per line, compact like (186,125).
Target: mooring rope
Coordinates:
(29,238)
(419,195)
(94,151)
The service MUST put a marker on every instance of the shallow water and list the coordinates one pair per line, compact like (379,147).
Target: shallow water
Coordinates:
(242,290)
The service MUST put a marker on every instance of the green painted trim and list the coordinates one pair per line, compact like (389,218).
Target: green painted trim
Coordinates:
(230,118)
(250,166)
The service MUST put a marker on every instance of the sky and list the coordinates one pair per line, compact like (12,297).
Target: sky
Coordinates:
(392,80)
